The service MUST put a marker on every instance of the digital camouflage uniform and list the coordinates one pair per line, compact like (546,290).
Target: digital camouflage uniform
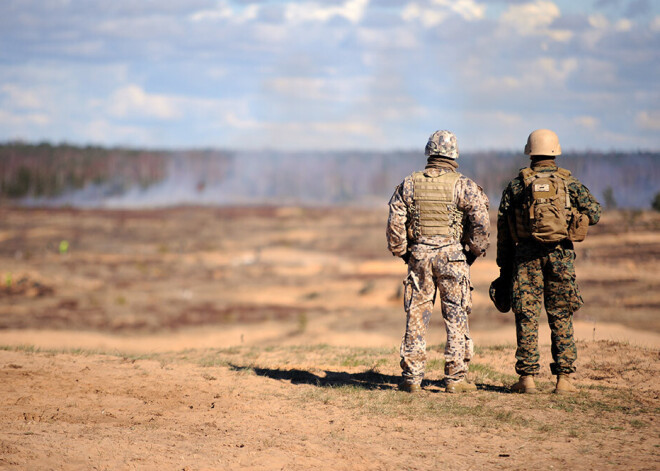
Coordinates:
(542,272)
(438,262)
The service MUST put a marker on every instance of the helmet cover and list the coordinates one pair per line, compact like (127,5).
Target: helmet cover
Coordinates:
(442,143)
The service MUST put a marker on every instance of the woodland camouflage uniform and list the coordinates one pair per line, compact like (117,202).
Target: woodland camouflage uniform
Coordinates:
(542,271)
(438,262)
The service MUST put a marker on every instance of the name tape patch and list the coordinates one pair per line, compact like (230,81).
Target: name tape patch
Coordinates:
(542,187)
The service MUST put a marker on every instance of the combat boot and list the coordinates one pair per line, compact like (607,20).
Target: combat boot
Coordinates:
(409,387)
(524,385)
(461,386)
(564,386)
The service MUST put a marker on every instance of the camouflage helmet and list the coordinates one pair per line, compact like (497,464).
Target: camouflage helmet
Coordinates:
(500,294)
(542,142)
(442,143)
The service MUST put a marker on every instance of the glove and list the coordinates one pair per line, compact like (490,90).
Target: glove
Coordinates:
(470,257)
(405,257)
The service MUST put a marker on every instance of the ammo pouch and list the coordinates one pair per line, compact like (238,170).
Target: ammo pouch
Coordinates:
(577,229)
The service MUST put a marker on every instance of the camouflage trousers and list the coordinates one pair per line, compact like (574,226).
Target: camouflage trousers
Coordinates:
(447,272)
(548,275)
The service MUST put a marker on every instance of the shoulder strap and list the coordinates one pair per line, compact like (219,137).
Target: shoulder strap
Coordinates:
(526,173)
(564,175)
(562,172)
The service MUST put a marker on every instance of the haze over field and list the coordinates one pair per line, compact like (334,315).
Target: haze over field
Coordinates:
(120,178)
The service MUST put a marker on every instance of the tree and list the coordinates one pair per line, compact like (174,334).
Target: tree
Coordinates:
(655,204)
(608,195)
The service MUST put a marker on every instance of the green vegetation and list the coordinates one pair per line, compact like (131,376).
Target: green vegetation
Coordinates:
(608,196)
(655,204)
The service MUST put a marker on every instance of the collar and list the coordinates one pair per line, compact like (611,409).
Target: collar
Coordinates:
(441,163)
(543,163)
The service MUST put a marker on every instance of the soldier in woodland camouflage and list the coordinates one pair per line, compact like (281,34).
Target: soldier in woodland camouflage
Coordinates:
(438,224)
(543,270)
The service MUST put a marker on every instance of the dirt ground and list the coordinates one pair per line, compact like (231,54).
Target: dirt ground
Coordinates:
(266,338)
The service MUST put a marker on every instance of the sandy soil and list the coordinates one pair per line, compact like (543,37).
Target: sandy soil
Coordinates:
(265,338)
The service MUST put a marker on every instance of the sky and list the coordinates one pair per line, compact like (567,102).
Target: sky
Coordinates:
(330,75)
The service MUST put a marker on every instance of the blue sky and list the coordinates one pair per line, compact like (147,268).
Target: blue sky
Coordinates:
(330,75)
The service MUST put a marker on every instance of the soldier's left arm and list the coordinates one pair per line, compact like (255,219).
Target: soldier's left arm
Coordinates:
(584,201)
(473,203)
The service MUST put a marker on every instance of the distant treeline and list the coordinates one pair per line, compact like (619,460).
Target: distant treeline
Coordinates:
(45,170)
(46,174)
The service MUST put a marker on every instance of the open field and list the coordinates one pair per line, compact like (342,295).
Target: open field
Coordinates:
(319,407)
(266,338)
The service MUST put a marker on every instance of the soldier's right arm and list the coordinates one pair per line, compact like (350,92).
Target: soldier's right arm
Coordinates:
(505,243)
(585,202)
(397,236)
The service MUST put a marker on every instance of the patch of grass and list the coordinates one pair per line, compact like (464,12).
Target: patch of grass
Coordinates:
(486,374)
(435,364)
(364,381)
(638,423)
(82,352)
(574,433)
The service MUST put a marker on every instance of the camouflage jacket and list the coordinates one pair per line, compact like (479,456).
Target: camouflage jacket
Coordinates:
(469,198)
(512,198)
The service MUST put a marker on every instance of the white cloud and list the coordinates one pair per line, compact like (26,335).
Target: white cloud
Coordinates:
(10,119)
(623,25)
(434,15)
(528,18)
(352,10)
(134,101)
(388,39)
(588,122)
(20,97)
(557,70)
(655,24)
(231,119)
(428,17)
(648,120)
(299,87)
(600,22)
(102,131)
(536,79)
(467,9)
(534,19)
(224,12)
(303,135)
(499,117)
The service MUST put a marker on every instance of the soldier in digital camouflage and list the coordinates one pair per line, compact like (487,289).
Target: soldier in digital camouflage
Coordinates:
(438,224)
(542,212)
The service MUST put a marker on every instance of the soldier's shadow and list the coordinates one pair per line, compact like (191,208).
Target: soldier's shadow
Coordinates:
(369,380)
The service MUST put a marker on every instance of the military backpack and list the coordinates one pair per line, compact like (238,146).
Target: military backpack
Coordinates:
(546,214)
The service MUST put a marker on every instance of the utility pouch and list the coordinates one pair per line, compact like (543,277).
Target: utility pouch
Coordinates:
(577,230)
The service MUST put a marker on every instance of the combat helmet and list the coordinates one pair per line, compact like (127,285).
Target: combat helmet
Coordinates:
(442,143)
(500,294)
(542,142)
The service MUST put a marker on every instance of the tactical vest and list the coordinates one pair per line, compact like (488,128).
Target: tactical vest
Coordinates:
(545,210)
(433,211)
